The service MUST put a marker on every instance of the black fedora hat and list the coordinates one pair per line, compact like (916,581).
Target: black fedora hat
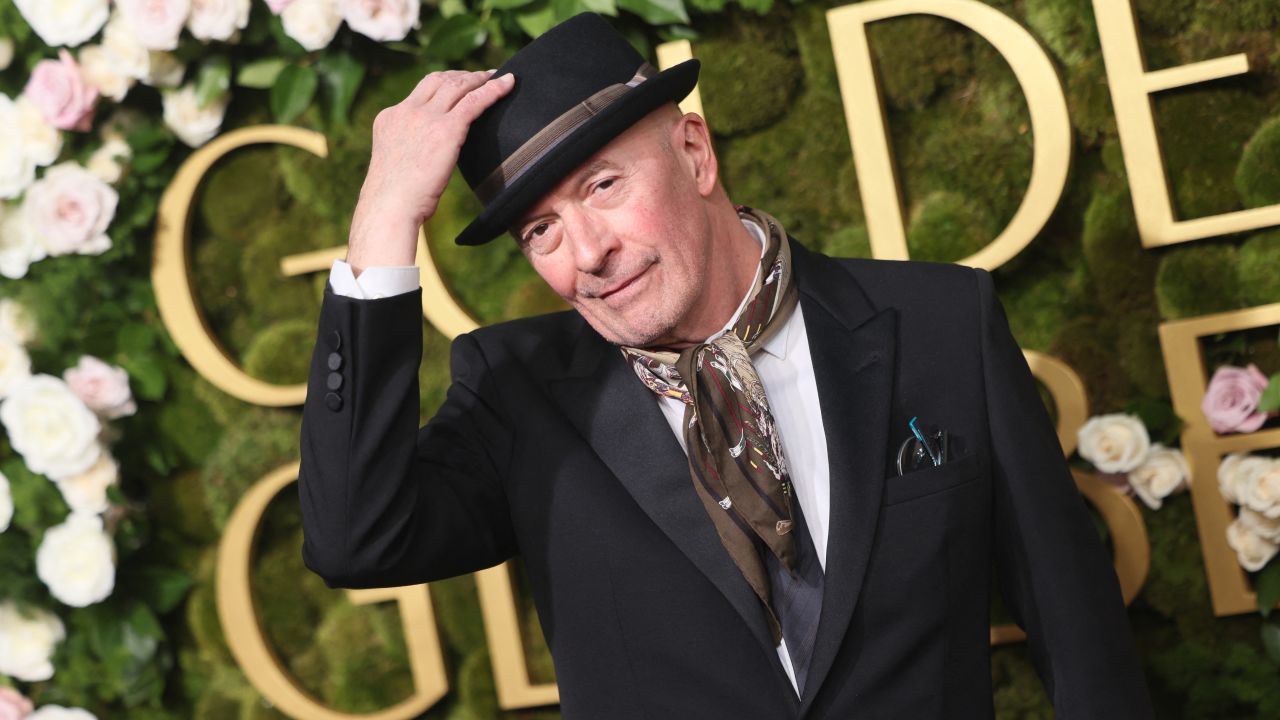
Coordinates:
(578,86)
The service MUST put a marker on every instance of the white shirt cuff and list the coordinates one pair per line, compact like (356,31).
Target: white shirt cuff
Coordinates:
(374,282)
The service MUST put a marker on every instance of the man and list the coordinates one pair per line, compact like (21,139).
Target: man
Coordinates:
(700,462)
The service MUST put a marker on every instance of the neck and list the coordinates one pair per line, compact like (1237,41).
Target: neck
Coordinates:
(729,276)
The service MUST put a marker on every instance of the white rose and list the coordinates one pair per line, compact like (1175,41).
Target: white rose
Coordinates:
(27,642)
(41,141)
(217,19)
(17,170)
(106,163)
(51,428)
(1260,490)
(1114,443)
(1161,472)
(64,22)
(6,52)
(16,321)
(124,51)
(1252,550)
(192,124)
(102,72)
(6,503)
(156,23)
(69,210)
(381,19)
(15,365)
(58,712)
(87,491)
(1259,524)
(313,23)
(18,245)
(103,387)
(76,560)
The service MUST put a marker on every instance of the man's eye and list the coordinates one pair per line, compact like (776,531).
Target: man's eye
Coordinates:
(604,184)
(534,233)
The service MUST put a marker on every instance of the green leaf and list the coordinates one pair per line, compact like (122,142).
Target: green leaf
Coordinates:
(293,92)
(261,74)
(213,79)
(146,376)
(604,7)
(1271,640)
(1270,400)
(506,4)
(342,75)
(536,22)
(657,12)
(1267,585)
(456,37)
(159,587)
(449,8)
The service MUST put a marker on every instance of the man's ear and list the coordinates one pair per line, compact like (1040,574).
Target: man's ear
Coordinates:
(692,140)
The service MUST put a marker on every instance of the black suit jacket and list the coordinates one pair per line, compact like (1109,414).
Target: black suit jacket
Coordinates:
(547,445)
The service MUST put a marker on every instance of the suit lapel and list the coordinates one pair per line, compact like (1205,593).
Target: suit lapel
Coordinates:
(853,349)
(620,419)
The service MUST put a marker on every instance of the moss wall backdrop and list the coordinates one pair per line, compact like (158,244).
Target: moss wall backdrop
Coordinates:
(1084,291)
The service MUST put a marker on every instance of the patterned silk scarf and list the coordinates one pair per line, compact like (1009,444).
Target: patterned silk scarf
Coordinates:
(735,454)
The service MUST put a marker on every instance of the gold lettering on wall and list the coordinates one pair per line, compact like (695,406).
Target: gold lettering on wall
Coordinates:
(1204,448)
(864,114)
(1131,89)
(239,618)
(176,298)
(1130,546)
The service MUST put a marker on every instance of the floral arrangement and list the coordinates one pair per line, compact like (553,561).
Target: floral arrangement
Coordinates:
(1120,447)
(60,427)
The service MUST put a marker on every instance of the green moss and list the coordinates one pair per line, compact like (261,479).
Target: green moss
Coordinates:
(239,190)
(265,440)
(1200,165)
(178,504)
(1258,269)
(364,649)
(476,690)
(1258,174)
(916,55)
(1089,102)
(274,354)
(184,408)
(1066,26)
(1122,270)
(848,241)
(750,74)
(1197,279)
(457,608)
(291,601)
(947,226)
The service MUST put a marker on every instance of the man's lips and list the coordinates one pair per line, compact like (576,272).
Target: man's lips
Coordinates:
(618,287)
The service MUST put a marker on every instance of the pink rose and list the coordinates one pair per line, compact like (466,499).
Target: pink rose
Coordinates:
(13,705)
(277,6)
(104,388)
(64,95)
(1231,402)
(381,20)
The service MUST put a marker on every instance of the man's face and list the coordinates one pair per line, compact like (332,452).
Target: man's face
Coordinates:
(625,238)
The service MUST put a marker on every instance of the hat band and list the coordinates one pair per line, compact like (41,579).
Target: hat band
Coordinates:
(542,142)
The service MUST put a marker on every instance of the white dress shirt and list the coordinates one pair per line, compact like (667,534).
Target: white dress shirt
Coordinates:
(783,364)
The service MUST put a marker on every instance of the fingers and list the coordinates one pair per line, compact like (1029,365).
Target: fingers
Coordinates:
(454,88)
(469,107)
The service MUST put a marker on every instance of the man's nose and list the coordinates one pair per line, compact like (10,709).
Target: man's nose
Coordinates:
(590,238)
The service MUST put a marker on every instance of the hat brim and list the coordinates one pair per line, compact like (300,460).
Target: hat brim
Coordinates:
(672,84)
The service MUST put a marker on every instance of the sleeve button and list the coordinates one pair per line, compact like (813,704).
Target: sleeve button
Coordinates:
(335,340)
(335,361)
(333,401)
(335,380)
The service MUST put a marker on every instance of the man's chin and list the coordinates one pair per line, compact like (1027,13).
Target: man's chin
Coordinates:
(620,332)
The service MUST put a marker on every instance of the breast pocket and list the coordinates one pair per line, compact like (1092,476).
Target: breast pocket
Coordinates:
(936,478)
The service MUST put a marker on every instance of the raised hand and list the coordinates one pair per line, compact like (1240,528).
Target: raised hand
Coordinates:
(415,148)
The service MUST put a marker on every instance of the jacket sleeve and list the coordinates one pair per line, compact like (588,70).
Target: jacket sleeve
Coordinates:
(385,502)
(1054,572)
